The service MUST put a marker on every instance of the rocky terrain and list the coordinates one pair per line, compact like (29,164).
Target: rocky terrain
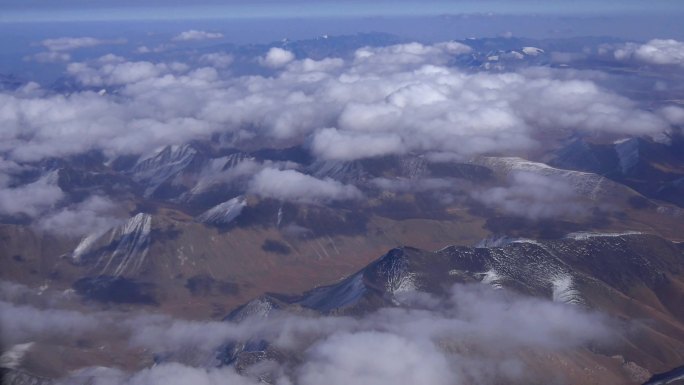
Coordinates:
(263,259)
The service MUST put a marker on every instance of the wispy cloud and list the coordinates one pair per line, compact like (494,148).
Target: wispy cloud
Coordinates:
(72,43)
(193,35)
(291,185)
(461,338)
(31,199)
(94,215)
(534,196)
(58,49)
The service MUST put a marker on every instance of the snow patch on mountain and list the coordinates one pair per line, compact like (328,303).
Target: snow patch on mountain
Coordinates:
(515,55)
(224,213)
(132,245)
(496,241)
(413,167)
(670,210)
(491,277)
(563,290)
(84,247)
(536,263)
(328,298)
(257,308)
(221,170)
(162,165)
(581,235)
(11,358)
(628,154)
(121,250)
(532,51)
(405,283)
(343,171)
(394,268)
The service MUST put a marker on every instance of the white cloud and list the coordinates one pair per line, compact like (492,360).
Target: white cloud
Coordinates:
(94,215)
(309,65)
(161,113)
(50,57)
(8,169)
(193,35)
(276,58)
(534,196)
(397,57)
(291,185)
(31,199)
(387,100)
(143,49)
(164,374)
(657,52)
(214,174)
(114,70)
(331,143)
(72,43)
(23,323)
(58,49)
(371,357)
(673,114)
(217,59)
(464,337)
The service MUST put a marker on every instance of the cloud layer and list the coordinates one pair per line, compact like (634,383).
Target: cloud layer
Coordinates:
(31,199)
(72,43)
(392,100)
(656,52)
(474,334)
(387,100)
(58,49)
(534,196)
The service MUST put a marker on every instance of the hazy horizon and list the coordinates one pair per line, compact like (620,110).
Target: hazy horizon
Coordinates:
(77,10)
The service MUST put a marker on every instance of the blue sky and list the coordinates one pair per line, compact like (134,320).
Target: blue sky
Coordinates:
(74,10)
